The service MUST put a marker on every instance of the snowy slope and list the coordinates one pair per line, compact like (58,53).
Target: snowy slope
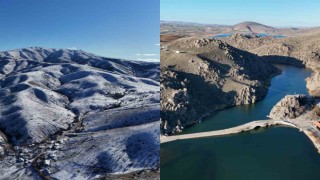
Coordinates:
(60,104)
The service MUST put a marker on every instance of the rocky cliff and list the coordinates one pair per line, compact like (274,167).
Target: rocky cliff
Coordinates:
(199,75)
(290,107)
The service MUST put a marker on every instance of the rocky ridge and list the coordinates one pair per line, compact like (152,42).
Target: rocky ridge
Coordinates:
(199,75)
(302,51)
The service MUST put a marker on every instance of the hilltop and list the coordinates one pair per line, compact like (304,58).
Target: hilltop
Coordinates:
(252,27)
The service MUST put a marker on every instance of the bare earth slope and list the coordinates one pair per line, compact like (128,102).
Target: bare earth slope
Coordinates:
(199,75)
(71,114)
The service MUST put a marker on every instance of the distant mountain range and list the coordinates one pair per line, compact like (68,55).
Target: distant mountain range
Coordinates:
(181,23)
(190,28)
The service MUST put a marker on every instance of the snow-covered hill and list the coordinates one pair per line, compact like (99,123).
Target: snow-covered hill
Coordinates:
(68,113)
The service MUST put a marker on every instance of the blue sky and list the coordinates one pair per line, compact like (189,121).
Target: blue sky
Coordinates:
(127,29)
(270,12)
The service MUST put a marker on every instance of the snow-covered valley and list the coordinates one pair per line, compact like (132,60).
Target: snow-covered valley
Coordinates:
(69,114)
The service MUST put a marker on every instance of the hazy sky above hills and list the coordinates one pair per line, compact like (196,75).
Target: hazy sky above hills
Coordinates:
(113,28)
(279,13)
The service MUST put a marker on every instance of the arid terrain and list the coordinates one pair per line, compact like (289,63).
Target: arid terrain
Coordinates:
(69,114)
(200,74)
(197,29)
(299,51)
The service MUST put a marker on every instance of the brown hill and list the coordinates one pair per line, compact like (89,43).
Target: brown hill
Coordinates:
(252,27)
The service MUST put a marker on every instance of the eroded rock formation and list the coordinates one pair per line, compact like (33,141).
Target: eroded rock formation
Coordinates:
(291,106)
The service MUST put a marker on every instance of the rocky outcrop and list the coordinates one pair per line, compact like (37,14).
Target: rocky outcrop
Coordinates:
(202,42)
(291,106)
(249,95)
(176,110)
(313,83)
(208,75)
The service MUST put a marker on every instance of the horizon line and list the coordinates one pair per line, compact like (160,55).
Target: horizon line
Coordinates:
(203,23)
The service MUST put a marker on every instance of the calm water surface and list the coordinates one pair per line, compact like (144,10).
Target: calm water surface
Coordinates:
(271,153)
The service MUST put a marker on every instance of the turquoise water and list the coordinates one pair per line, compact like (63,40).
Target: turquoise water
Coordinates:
(290,81)
(275,36)
(271,153)
(221,35)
